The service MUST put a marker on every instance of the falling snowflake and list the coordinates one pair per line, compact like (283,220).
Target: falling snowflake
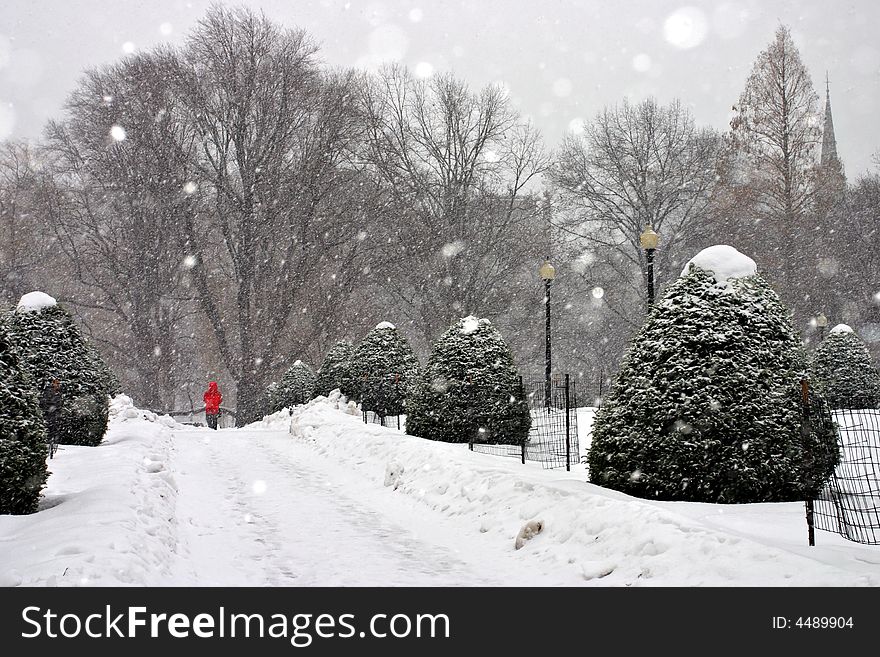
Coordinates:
(117,132)
(424,69)
(685,28)
(452,249)
(189,187)
(641,63)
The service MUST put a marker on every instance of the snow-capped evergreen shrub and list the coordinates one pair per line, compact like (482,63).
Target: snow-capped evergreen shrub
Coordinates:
(295,386)
(842,372)
(108,378)
(334,370)
(707,405)
(51,348)
(469,390)
(269,401)
(23,450)
(382,369)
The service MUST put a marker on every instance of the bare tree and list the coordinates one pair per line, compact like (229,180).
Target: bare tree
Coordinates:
(23,234)
(272,137)
(633,166)
(456,171)
(115,202)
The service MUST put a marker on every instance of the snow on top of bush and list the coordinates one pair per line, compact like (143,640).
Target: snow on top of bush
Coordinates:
(122,408)
(383,325)
(842,328)
(469,325)
(723,262)
(35,302)
(297,363)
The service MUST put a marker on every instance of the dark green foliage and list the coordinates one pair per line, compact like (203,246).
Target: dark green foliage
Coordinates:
(469,389)
(334,370)
(381,371)
(707,406)
(842,372)
(294,388)
(269,400)
(23,450)
(51,348)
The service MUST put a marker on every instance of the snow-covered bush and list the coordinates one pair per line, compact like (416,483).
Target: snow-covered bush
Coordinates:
(469,390)
(294,388)
(52,349)
(381,371)
(707,405)
(842,372)
(334,370)
(22,435)
(269,400)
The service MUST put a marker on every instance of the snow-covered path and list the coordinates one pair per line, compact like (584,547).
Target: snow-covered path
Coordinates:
(252,511)
(303,500)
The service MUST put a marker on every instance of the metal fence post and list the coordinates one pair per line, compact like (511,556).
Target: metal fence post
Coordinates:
(807,428)
(567,426)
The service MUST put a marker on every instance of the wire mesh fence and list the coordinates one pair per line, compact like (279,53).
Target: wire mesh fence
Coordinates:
(553,436)
(849,504)
(390,421)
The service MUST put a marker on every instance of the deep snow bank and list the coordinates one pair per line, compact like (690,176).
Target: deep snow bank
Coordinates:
(603,536)
(107,515)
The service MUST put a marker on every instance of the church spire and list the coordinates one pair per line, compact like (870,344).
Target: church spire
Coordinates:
(829,144)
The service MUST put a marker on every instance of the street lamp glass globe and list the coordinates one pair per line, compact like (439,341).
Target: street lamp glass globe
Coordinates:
(649,239)
(548,271)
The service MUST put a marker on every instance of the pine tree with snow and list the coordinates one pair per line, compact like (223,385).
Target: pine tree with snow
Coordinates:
(382,370)
(23,450)
(269,402)
(842,372)
(65,370)
(707,405)
(295,386)
(470,389)
(333,372)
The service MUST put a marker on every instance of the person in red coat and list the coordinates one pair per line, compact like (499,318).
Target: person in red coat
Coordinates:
(212,404)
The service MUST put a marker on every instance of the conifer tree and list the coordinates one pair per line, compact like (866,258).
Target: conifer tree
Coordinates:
(334,370)
(469,390)
(381,371)
(707,406)
(841,370)
(295,387)
(52,350)
(23,450)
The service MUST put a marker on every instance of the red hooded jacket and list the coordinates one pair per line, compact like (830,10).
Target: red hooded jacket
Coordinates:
(212,399)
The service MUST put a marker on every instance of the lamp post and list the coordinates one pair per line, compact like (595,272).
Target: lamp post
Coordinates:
(548,273)
(822,323)
(649,239)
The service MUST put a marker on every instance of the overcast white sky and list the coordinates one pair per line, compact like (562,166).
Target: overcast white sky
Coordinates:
(563,60)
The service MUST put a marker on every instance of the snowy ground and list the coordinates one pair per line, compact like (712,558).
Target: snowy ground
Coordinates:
(303,501)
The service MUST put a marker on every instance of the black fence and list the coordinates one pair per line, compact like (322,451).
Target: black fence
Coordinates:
(390,421)
(553,436)
(849,504)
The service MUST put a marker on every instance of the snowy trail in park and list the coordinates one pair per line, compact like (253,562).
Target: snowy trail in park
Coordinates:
(251,511)
(303,500)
